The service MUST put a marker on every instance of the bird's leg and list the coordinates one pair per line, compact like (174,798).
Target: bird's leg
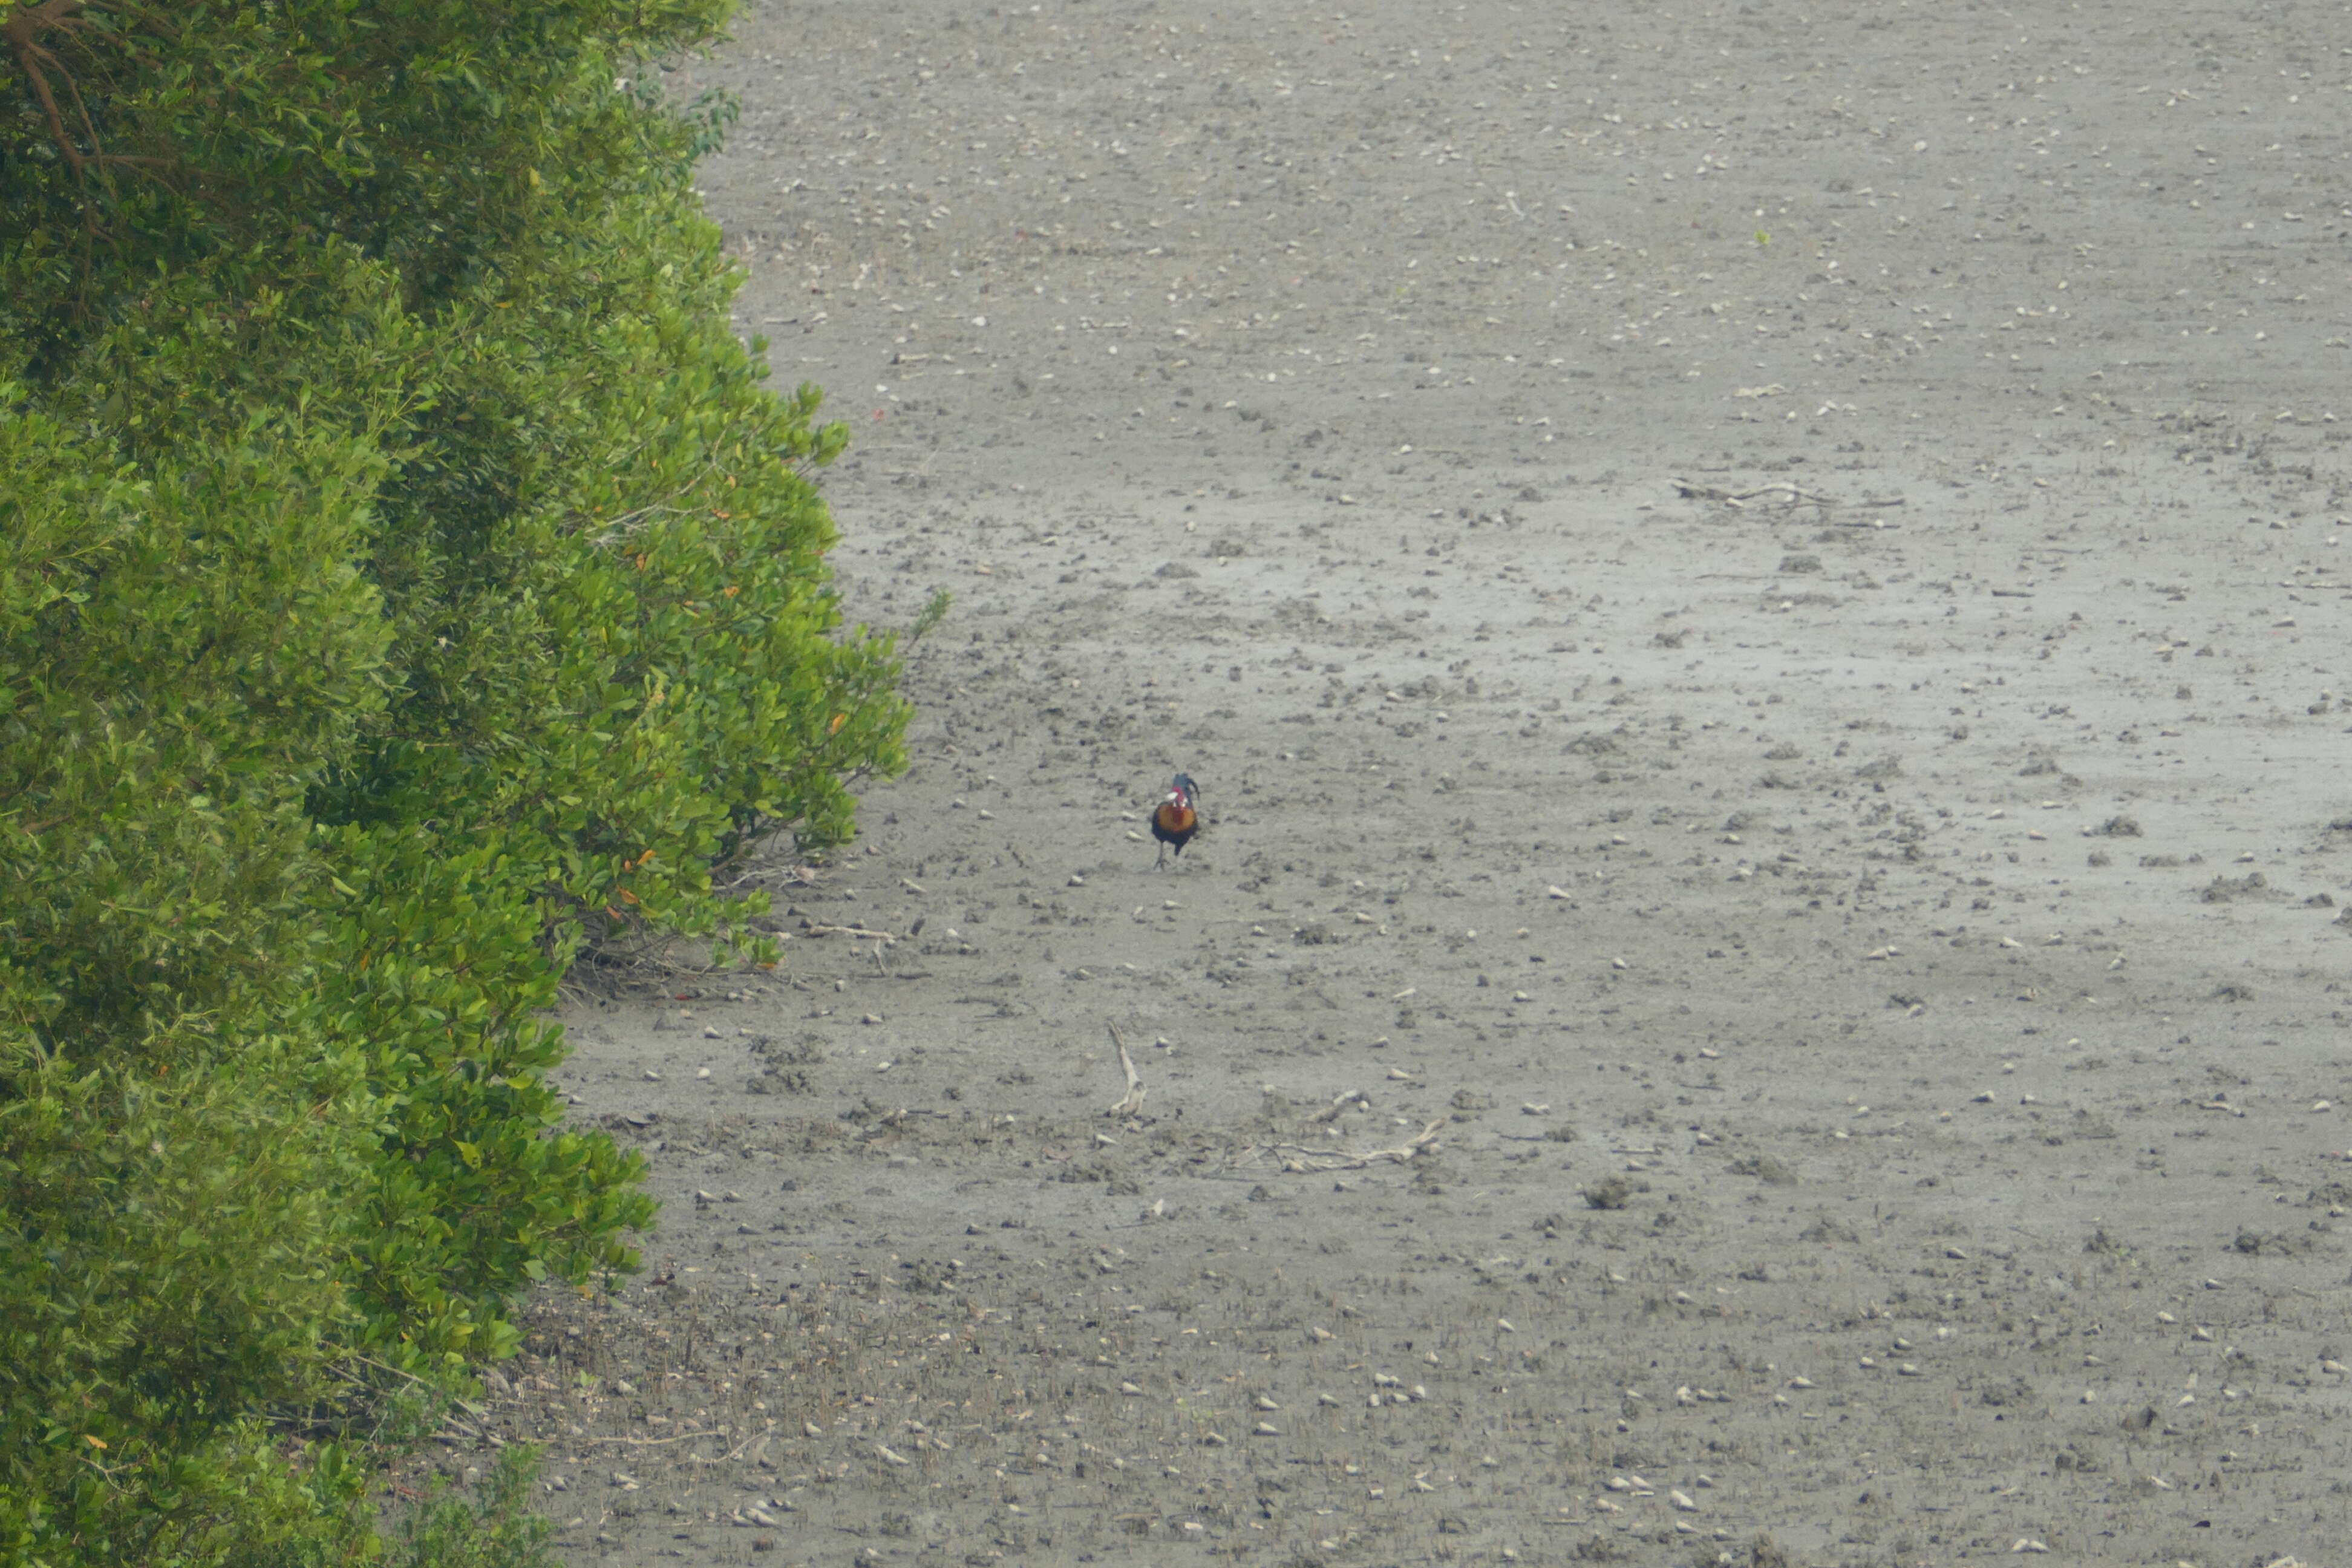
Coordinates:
(1162,863)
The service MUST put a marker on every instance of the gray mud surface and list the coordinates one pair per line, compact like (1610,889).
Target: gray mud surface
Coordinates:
(1754,593)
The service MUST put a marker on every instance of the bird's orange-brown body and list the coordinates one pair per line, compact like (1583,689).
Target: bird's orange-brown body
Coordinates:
(1177,817)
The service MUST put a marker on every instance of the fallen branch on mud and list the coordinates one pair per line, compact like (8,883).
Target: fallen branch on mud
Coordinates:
(1298,1159)
(850,930)
(1738,500)
(1696,491)
(1132,1102)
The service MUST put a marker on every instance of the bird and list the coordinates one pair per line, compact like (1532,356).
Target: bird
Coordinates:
(1177,818)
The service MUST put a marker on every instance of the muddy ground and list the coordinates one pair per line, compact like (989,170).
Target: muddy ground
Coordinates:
(1755,595)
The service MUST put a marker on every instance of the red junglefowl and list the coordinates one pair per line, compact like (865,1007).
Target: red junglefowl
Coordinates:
(1177,818)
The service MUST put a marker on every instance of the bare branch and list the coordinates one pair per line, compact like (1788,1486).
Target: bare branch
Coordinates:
(1132,1102)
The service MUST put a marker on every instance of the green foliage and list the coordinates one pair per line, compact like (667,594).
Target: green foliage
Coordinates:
(934,611)
(407,584)
(493,1528)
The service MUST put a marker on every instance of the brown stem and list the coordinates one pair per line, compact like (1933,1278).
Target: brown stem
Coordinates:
(37,60)
(30,56)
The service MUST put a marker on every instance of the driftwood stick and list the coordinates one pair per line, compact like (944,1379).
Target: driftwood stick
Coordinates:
(1739,497)
(1132,1102)
(1296,1157)
(1738,500)
(852,930)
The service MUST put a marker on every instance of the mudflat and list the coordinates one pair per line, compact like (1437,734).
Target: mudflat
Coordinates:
(1755,595)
